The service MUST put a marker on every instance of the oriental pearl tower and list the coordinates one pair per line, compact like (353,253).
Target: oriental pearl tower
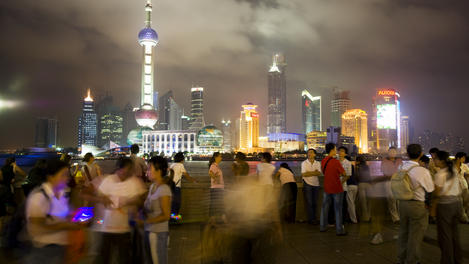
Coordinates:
(146,116)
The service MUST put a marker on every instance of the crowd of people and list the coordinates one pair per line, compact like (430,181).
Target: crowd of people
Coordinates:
(63,212)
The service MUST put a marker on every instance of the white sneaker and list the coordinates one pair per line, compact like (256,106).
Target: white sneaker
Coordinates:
(377,239)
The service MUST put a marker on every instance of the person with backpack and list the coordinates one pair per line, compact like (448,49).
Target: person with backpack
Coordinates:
(448,208)
(409,186)
(333,190)
(179,172)
(47,211)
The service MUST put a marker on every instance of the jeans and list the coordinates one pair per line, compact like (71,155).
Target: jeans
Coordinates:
(176,201)
(310,193)
(447,221)
(156,245)
(338,199)
(50,254)
(414,223)
(115,242)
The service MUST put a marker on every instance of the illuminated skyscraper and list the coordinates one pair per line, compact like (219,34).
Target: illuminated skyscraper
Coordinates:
(340,103)
(405,132)
(164,105)
(227,135)
(277,96)
(355,124)
(87,123)
(386,108)
(249,127)
(197,108)
(311,112)
(147,116)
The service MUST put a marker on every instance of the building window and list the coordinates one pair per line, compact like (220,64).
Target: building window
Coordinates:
(148,49)
(147,59)
(147,69)
(147,79)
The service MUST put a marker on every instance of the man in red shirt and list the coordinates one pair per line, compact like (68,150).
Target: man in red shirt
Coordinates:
(332,170)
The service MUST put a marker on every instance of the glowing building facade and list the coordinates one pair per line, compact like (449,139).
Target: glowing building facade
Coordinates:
(405,133)
(387,120)
(311,112)
(249,128)
(197,108)
(169,141)
(227,136)
(339,104)
(355,124)
(88,123)
(277,96)
(316,140)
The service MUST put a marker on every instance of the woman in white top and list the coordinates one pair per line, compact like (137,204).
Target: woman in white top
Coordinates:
(288,193)
(217,187)
(178,173)
(448,212)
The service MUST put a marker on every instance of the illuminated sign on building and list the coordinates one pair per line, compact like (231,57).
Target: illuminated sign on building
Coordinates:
(386,115)
(256,115)
(386,92)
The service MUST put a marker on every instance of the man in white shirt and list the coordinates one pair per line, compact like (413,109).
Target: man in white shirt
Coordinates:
(265,170)
(310,170)
(413,214)
(46,215)
(140,166)
(125,193)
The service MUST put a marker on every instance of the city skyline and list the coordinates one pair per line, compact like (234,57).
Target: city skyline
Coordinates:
(23,81)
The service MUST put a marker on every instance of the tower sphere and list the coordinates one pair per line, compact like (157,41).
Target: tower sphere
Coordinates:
(148,35)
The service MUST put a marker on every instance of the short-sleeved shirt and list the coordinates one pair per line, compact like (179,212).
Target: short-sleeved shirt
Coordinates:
(450,187)
(40,206)
(306,166)
(347,165)
(217,183)
(265,171)
(179,171)
(286,176)
(140,166)
(116,217)
(152,207)
(332,173)
(421,180)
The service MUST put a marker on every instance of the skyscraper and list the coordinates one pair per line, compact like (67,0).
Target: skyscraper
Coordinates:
(197,108)
(386,107)
(355,124)
(405,132)
(249,128)
(147,116)
(163,110)
(129,122)
(277,96)
(110,122)
(311,112)
(186,121)
(46,133)
(339,104)
(175,115)
(227,135)
(87,123)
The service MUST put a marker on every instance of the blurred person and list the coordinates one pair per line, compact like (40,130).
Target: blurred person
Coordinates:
(432,167)
(122,193)
(364,182)
(179,172)
(217,187)
(413,215)
(424,161)
(461,169)
(288,193)
(18,181)
(265,170)
(389,166)
(347,165)
(140,166)
(351,197)
(240,167)
(310,170)
(333,190)
(157,211)
(90,170)
(448,211)
(47,212)
(254,224)
(36,176)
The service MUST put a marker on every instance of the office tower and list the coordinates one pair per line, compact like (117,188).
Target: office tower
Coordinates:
(46,132)
(355,124)
(277,96)
(249,128)
(110,122)
(163,110)
(339,104)
(197,108)
(227,135)
(405,133)
(386,107)
(311,112)
(185,121)
(87,123)
(175,115)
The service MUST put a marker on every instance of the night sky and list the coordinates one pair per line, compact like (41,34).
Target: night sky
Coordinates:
(52,51)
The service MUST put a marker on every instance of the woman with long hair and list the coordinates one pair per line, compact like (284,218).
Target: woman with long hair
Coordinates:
(217,187)
(288,193)
(157,211)
(448,211)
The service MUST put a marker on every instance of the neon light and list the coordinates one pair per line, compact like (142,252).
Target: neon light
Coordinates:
(386,92)
(256,115)
(386,116)
(197,89)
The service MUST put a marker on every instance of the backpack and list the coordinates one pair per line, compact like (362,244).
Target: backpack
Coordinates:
(401,185)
